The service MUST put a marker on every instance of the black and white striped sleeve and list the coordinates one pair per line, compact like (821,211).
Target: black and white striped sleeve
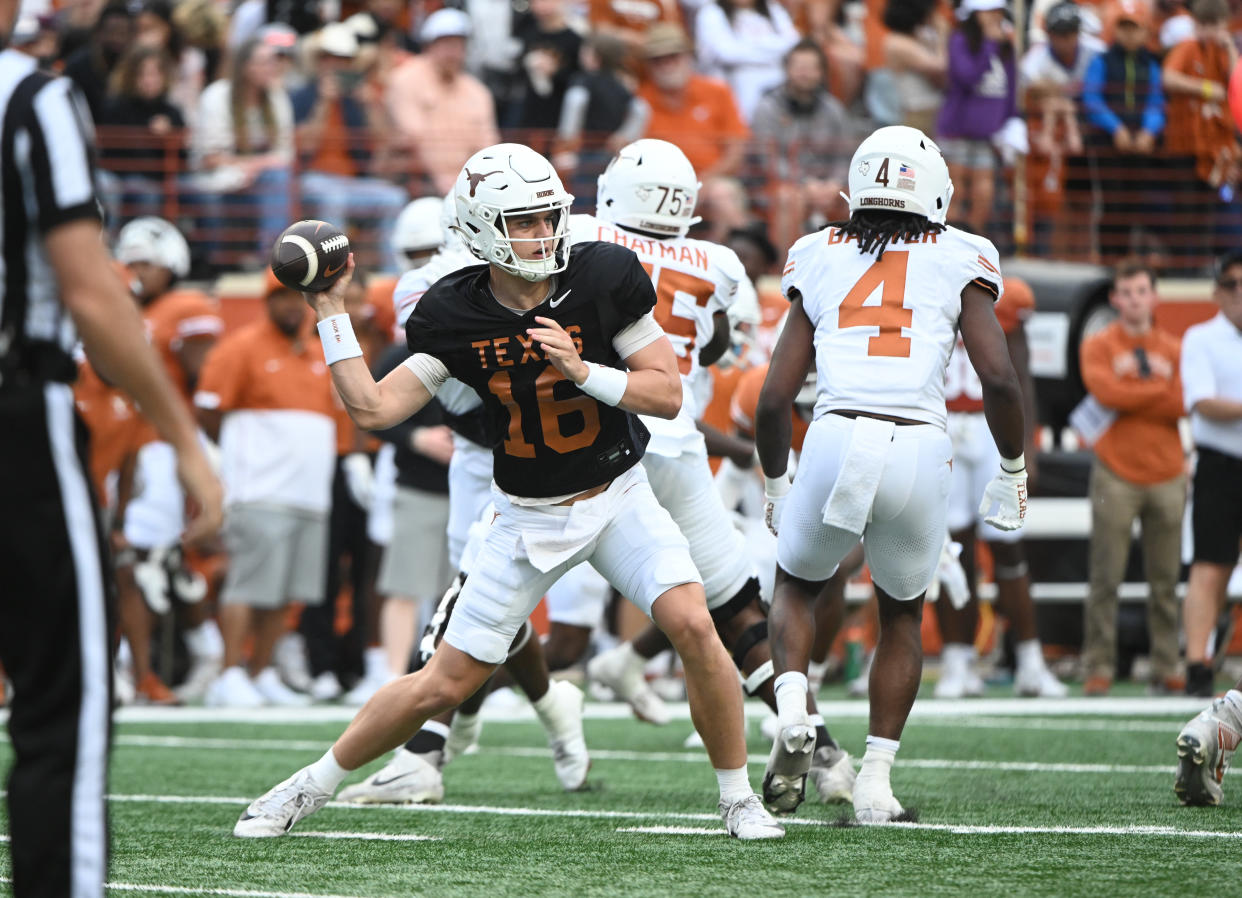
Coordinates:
(62,155)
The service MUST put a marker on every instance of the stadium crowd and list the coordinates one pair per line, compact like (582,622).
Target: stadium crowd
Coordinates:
(232,121)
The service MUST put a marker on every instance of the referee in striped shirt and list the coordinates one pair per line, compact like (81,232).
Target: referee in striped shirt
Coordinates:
(57,285)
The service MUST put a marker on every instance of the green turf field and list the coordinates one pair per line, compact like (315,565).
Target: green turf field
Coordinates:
(1050,802)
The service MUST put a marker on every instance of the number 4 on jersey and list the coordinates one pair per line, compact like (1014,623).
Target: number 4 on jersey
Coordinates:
(891,315)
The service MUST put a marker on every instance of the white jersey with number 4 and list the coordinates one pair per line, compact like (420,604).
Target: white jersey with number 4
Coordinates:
(885,329)
(693,279)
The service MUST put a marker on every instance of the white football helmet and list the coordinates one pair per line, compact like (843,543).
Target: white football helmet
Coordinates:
(419,228)
(744,319)
(155,241)
(649,186)
(899,168)
(498,182)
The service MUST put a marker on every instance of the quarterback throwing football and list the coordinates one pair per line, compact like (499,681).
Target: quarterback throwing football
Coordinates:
(565,354)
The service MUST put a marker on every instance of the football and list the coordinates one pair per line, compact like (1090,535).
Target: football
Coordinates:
(310,255)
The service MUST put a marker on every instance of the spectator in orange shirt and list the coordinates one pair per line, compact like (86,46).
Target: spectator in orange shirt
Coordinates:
(697,114)
(630,20)
(1131,368)
(265,393)
(441,112)
(337,133)
(1201,133)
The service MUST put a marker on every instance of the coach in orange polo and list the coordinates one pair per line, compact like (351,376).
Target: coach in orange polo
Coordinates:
(1131,368)
(266,396)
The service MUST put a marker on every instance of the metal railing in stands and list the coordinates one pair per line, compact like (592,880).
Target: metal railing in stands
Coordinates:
(1094,207)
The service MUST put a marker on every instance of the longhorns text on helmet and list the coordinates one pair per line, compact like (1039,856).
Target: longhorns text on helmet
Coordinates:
(901,169)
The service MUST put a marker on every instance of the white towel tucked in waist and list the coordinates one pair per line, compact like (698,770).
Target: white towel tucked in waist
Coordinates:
(849,504)
(556,533)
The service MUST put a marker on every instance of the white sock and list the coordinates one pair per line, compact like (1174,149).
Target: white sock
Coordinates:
(791,689)
(734,785)
(817,720)
(327,772)
(1029,654)
(544,708)
(1233,698)
(879,757)
(440,729)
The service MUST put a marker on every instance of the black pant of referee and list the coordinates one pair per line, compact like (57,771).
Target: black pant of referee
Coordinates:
(55,619)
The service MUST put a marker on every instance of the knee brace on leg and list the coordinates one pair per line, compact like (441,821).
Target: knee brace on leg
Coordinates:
(434,631)
(749,638)
(732,608)
(760,675)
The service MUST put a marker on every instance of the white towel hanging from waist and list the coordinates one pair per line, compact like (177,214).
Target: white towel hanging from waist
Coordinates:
(849,504)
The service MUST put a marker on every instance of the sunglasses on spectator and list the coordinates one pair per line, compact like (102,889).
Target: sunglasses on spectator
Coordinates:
(1228,284)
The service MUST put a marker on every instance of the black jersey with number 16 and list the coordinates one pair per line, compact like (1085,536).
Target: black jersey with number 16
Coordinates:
(549,438)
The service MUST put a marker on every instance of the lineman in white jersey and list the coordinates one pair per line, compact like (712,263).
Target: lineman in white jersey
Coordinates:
(876,303)
(646,202)
(414,775)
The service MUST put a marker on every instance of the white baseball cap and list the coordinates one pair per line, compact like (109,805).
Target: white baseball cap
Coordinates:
(969,6)
(338,39)
(445,23)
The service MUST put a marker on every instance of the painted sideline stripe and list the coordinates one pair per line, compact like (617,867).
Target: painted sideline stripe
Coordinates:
(370,837)
(1139,706)
(201,890)
(671,830)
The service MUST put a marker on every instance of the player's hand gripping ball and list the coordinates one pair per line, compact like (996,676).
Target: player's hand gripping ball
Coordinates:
(310,255)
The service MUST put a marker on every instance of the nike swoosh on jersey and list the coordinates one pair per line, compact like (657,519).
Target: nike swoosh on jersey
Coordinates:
(556,302)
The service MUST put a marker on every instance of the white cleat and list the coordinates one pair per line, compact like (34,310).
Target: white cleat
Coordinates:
(1205,746)
(325,687)
(289,659)
(203,672)
(561,716)
(832,775)
(873,800)
(406,779)
(463,736)
(784,780)
(621,670)
(284,805)
(233,689)
(959,683)
(746,819)
(269,685)
(1038,683)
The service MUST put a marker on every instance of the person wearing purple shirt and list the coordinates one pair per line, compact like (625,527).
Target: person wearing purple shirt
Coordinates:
(980,97)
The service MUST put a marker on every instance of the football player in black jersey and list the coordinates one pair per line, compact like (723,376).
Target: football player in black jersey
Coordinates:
(564,353)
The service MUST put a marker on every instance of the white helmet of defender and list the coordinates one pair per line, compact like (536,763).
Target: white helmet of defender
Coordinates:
(649,186)
(899,168)
(498,182)
(419,229)
(156,242)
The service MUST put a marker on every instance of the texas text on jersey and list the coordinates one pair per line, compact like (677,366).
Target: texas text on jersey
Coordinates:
(552,439)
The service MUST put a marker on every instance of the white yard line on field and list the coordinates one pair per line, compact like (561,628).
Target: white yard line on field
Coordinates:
(688,757)
(963,830)
(201,890)
(368,837)
(928,709)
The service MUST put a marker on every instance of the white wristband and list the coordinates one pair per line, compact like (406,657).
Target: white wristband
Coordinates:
(1014,465)
(775,487)
(604,383)
(337,336)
